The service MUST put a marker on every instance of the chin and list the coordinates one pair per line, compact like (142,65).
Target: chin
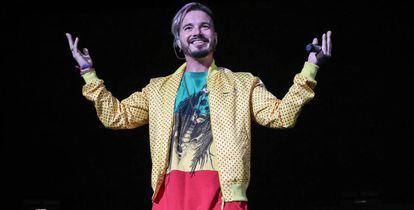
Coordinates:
(200,54)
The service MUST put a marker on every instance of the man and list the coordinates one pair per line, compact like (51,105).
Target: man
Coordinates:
(200,116)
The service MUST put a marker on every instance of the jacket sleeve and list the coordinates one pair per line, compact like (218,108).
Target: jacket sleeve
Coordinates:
(269,111)
(129,113)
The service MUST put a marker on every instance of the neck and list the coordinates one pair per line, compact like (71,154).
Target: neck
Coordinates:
(198,64)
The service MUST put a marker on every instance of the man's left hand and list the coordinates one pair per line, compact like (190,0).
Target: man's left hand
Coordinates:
(324,51)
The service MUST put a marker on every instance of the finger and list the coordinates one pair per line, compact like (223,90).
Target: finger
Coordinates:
(329,43)
(70,40)
(315,41)
(75,45)
(324,44)
(317,47)
(85,51)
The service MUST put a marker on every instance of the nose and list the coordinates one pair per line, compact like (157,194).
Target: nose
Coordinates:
(197,31)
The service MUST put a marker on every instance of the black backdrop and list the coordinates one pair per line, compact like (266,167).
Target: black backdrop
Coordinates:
(351,142)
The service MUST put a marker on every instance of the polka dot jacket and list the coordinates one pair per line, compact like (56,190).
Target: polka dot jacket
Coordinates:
(236,98)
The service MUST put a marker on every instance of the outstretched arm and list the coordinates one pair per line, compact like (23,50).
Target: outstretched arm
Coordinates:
(272,112)
(269,111)
(128,113)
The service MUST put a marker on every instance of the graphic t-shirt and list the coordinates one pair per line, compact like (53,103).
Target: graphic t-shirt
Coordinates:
(192,143)
(191,180)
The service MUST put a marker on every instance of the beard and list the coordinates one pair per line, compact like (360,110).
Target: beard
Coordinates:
(199,53)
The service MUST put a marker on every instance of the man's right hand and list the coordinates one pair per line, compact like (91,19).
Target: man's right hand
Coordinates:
(83,59)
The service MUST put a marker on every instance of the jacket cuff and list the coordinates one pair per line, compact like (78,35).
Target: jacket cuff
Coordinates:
(239,192)
(90,77)
(309,70)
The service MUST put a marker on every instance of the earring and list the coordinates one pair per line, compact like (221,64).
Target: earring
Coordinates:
(179,44)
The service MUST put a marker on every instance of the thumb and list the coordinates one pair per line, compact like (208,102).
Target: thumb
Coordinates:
(315,41)
(85,51)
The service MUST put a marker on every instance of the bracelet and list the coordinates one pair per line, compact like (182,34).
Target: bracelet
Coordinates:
(84,66)
(84,71)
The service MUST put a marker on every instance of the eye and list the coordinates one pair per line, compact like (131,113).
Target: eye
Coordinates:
(205,26)
(187,28)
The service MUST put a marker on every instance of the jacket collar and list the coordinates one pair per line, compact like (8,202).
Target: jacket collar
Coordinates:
(226,82)
(170,87)
(212,70)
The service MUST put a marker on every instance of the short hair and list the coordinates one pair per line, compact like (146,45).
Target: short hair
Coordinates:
(179,16)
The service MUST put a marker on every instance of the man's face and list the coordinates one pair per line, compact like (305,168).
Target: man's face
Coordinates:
(197,35)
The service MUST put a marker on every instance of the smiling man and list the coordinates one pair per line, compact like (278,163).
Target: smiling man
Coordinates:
(200,116)
(196,36)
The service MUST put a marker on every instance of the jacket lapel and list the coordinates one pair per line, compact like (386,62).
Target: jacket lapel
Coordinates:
(169,93)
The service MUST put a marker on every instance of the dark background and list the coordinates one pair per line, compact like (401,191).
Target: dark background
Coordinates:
(351,143)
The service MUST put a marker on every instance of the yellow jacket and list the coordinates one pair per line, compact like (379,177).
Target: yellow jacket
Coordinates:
(235,98)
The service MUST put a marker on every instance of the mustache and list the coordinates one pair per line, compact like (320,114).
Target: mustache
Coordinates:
(197,38)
